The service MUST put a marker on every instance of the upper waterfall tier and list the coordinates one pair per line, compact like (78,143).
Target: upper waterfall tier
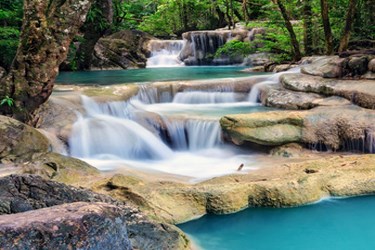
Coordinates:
(201,46)
(164,53)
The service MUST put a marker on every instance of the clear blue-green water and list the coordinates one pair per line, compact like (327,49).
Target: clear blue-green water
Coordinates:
(342,224)
(107,77)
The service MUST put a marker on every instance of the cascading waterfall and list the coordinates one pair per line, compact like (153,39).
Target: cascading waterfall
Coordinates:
(273,79)
(164,53)
(103,136)
(197,97)
(188,134)
(110,135)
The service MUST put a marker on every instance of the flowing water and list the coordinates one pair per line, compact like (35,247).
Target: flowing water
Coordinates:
(164,53)
(344,224)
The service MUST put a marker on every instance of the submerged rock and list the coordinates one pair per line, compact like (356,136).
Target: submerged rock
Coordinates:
(77,225)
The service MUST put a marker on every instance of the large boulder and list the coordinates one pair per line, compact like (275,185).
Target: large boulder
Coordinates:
(122,50)
(360,92)
(70,226)
(265,128)
(21,193)
(278,97)
(338,67)
(19,142)
(333,127)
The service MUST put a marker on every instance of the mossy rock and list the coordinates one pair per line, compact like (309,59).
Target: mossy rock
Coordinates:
(19,142)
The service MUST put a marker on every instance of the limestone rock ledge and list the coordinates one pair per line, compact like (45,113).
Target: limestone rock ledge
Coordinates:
(331,126)
(78,225)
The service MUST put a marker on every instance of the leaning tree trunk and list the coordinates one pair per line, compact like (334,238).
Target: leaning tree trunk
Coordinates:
(348,26)
(47,31)
(327,27)
(93,31)
(289,27)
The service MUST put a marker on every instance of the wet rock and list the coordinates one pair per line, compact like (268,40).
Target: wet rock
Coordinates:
(19,142)
(76,225)
(58,114)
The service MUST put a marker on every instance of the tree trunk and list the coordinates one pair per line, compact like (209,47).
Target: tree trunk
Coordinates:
(93,32)
(327,27)
(308,27)
(47,31)
(245,11)
(348,26)
(289,27)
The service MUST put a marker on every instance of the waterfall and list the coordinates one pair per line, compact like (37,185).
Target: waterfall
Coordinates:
(199,97)
(273,79)
(164,53)
(150,94)
(193,134)
(103,136)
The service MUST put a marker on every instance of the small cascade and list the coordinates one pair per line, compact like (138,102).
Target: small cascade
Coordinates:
(199,97)
(149,95)
(164,53)
(273,79)
(193,134)
(103,136)
(201,46)
(117,109)
(57,145)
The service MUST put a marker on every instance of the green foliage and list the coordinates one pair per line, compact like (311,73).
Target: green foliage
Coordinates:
(11,20)
(7,101)
(235,48)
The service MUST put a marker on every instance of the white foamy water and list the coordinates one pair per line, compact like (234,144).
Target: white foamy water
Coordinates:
(109,138)
(273,79)
(196,166)
(164,53)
